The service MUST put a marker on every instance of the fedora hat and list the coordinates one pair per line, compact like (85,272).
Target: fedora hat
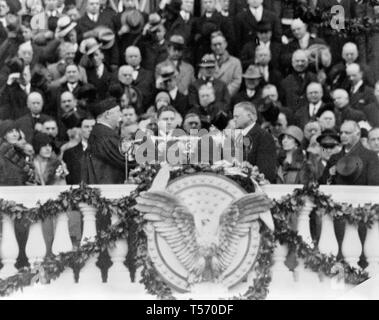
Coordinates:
(349,168)
(167,72)
(329,137)
(89,46)
(252,72)
(294,132)
(154,21)
(177,41)
(106,37)
(208,61)
(64,26)
(134,20)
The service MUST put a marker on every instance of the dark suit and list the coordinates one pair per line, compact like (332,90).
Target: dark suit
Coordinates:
(348,113)
(27,123)
(363,97)
(247,55)
(262,152)
(86,24)
(370,171)
(242,96)
(145,84)
(103,163)
(302,116)
(372,113)
(220,87)
(152,52)
(180,103)
(101,84)
(13,102)
(246,26)
(73,159)
(294,88)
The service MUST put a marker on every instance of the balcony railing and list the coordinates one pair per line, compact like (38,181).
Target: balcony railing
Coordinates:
(298,283)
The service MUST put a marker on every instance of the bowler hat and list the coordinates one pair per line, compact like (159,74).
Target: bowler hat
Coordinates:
(154,21)
(349,168)
(252,72)
(87,91)
(64,26)
(89,46)
(103,106)
(208,61)
(134,20)
(294,132)
(329,136)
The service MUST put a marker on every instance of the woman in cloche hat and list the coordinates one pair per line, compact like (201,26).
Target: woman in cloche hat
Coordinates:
(293,165)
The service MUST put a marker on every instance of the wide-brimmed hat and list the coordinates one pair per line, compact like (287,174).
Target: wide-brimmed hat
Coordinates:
(103,106)
(252,72)
(89,46)
(87,91)
(106,37)
(349,168)
(208,61)
(167,71)
(329,137)
(65,25)
(294,132)
(134,20)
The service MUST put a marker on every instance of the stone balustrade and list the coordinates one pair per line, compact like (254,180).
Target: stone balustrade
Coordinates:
(288,281)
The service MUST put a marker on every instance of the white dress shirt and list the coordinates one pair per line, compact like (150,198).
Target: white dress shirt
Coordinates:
(304,41)
(173,93)
(100,70)
(357,86)
(4,22)
(72,86)
(314,108)
(93,17)
(250,93)
(247,129)
(185,15)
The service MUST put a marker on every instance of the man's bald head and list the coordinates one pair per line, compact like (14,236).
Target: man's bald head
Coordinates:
(350,52)
(340,98)
(314,92)
(133,56)
(68,101)
(125,74)
(354,73)
(298,28)
(35,102)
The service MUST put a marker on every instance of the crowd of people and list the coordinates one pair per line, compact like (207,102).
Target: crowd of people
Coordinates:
(79,78)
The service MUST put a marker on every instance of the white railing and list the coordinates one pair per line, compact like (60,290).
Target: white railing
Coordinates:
(298,283)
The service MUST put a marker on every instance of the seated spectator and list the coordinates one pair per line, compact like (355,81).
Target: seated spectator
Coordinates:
(229,68)
(268,72)
(373,140)
(15,167)
(168,81)
(186,73)
(295,84)
(32,121)
(312,128)
(191,122)
(360,93)
(292,160)
(132,94)
(129,122)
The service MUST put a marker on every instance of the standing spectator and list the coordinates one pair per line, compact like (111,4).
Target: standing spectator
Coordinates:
(261,151)
(104,163)
(309,111)
(73,157)
(7,7)
(373,140)
(360,93)
(167,81)
(40,21)
(32,121)
(142,78)
(295,84)
(354,165)
(327,119)
(252,89)
(229,68)
(372,110)
(268,72)
(186,73)
(246,22)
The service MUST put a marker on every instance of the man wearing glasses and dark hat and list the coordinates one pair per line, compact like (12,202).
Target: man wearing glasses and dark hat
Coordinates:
(354,165)
(186,73)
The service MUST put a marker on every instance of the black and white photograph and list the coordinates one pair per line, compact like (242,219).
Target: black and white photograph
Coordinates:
(189,150)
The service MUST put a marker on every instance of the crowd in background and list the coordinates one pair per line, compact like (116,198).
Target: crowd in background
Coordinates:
(77,77)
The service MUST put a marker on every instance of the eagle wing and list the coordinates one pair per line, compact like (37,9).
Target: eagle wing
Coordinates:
(235,223)
(174,223)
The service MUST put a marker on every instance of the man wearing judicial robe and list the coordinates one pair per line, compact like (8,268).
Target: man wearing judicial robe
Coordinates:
(103,161)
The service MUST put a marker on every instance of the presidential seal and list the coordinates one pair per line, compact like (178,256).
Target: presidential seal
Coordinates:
(202,228)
